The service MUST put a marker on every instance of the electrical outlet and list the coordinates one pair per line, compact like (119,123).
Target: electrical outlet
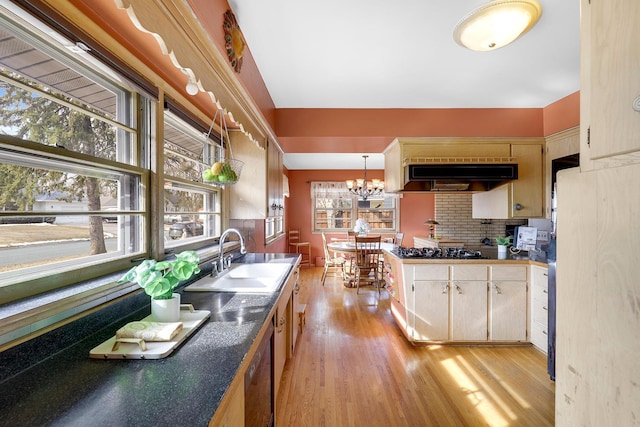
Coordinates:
(542,235)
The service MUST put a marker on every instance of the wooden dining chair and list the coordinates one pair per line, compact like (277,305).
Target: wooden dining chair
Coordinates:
(303,248)
(332,261)
(367,261)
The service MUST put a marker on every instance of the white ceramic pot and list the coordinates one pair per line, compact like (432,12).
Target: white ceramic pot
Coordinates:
(502,250)
(166,310)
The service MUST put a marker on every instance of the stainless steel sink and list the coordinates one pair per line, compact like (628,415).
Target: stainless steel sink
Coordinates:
(244,278)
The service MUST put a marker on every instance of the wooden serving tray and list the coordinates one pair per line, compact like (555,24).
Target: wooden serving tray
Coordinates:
(129,348)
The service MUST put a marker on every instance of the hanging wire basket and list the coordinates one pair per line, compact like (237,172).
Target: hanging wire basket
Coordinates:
(225,171)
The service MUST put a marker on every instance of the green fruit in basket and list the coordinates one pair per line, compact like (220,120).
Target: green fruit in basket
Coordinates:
(223,178)
(232,176)
(226,169)
(208,175)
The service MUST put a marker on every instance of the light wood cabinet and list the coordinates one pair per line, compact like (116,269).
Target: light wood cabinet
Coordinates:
(230,413)
(276,199)
(539,315)
(249,196)
(469,303)
(259,189)
(561,144)
(454,302)
(508,303)
(430,298)
(521,198)
(285,323)
(610,88)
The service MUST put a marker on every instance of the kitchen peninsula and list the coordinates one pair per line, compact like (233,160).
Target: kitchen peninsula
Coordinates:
(475,300)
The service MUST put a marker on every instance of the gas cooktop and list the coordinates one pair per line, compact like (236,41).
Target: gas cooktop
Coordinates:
(447,253)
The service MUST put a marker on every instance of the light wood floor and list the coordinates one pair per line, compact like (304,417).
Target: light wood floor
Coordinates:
(353,367)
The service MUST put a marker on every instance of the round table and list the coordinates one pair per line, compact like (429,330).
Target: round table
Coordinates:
(349,248)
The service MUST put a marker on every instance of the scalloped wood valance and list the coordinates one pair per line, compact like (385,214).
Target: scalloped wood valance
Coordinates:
(182,38)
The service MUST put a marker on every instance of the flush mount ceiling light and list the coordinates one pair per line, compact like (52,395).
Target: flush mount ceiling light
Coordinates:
(496,24)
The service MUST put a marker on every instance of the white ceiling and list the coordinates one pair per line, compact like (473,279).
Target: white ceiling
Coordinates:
(401,54)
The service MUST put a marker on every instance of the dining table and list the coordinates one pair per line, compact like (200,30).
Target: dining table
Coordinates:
(348,248)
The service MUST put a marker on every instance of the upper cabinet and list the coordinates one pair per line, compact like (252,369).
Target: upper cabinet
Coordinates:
(610,88)
(276,198)
(521,198)
(259,189)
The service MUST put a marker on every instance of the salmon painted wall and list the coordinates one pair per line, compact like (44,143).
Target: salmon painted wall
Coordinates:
(562,114)
(298,207)
(371,130)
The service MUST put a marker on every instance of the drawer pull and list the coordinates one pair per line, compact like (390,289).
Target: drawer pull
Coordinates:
(545,291)
(545,332)
(545,307)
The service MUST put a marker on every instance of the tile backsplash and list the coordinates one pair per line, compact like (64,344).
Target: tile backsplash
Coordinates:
(453,212)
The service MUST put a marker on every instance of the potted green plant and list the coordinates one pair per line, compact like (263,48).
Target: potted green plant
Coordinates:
(160,278)
(503,243)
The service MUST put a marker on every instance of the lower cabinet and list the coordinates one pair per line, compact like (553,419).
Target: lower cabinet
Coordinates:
(539,308)
(468,302)
(508,303)
(232,413)
(431,303)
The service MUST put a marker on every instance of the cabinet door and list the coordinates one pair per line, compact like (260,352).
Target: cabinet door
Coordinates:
(613,71)
(295,301)
(248,198)
(230,413)
(274,159)
(431,310)
(468,310)
(281,338)
(528,188)
(508,314)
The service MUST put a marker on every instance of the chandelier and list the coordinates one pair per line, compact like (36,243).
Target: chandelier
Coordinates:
(363,188)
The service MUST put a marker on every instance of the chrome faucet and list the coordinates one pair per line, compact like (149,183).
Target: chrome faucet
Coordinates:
(223,263)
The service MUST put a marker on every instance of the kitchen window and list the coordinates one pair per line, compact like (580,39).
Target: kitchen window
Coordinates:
(336,210)
(73,168)
(192,209)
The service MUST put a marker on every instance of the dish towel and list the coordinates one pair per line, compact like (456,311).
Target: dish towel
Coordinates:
(150,331)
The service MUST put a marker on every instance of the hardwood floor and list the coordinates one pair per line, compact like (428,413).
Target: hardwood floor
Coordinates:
(353,367)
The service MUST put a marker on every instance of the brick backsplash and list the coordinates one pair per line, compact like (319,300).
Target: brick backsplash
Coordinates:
(453,212)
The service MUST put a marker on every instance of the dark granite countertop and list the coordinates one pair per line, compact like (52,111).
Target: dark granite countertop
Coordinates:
(62,386)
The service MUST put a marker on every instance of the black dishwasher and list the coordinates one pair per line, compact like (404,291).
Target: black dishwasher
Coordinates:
(258,385)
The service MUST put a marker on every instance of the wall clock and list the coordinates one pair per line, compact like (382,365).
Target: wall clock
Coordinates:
(234,40)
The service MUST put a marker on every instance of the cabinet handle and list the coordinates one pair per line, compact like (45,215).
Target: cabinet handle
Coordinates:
(545,274)
(281,324)
(445,288)
(545,332)
(545,308)
(458,289)
(498,290)
(296,288)
(545,291)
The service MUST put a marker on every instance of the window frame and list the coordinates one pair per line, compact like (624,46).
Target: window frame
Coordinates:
(339,189)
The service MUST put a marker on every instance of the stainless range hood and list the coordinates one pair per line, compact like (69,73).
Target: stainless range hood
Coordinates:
(458,177)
